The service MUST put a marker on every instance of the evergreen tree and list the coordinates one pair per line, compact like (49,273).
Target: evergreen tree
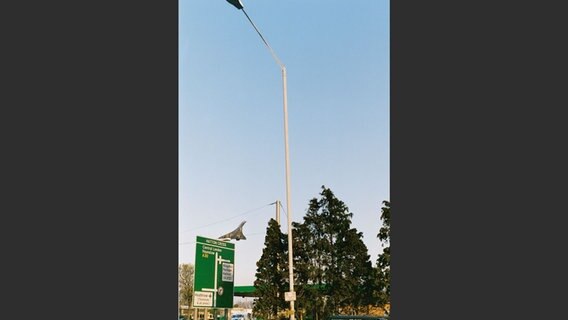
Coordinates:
(383,261)
(355,273)
(308,296)
(271,273)
(334,270)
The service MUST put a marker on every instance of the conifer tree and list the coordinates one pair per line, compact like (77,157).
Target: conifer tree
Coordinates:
(271,273)
(334,270)
(383,261)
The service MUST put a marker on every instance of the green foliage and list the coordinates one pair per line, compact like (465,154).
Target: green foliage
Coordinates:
(334,267)
(382,292)
(333,273)
(271,273)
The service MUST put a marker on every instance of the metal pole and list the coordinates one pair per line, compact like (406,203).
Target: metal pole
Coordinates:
(278,212)
(288,207)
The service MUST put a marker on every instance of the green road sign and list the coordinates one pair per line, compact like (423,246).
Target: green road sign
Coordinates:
(214,273)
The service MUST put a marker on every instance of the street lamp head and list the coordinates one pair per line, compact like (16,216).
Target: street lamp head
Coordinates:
(236,3)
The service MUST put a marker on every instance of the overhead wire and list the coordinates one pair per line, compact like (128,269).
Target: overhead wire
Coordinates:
(230,218)
(282,207)
(233,217)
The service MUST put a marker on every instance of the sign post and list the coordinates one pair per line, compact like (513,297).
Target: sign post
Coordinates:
(214,273)
(290,296)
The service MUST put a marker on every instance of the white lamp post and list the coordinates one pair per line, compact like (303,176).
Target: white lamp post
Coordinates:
(291,295)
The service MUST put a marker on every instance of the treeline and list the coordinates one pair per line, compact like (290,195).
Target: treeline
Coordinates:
(333,273)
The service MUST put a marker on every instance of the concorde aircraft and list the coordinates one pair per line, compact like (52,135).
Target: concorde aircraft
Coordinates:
(236,234)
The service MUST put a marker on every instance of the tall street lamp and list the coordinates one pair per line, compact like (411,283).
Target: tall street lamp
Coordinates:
(291,295)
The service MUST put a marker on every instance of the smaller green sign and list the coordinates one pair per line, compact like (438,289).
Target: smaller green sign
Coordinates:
(214,273)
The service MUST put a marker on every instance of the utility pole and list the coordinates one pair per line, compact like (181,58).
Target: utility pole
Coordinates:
(278,212)
(291,295)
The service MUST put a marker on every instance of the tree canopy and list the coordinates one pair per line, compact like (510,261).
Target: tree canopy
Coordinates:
(333,273)
(185,284)
(383,261)
(271,273)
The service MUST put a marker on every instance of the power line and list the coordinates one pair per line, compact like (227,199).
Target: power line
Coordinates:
(281,207)
(227,219)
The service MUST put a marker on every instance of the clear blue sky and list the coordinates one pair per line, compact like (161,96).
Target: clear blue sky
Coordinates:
(231,136)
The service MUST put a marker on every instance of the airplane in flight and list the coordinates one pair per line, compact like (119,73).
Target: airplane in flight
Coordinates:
(236,234)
